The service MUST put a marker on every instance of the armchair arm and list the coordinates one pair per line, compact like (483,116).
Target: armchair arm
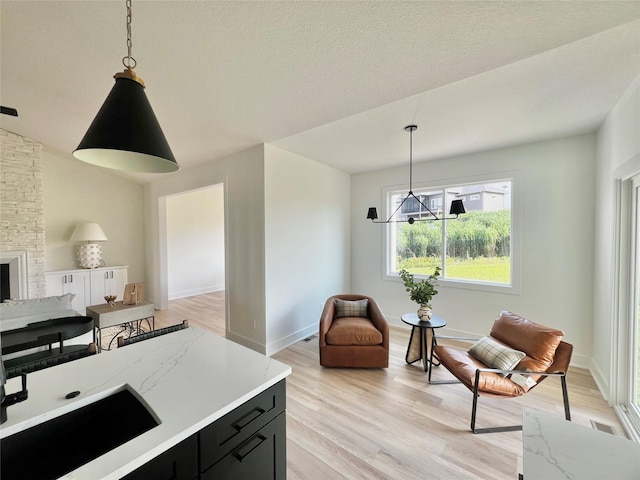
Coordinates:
(380,322)
(326,319)
(520,372)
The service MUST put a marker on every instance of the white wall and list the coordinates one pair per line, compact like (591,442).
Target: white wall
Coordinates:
(307,241)
(243,177)
(618,157)
(557,184)
(75,192)
(195,242)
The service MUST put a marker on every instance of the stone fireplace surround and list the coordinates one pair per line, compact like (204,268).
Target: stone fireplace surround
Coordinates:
(22,235)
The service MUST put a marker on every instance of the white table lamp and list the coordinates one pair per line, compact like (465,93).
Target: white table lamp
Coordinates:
(90,253)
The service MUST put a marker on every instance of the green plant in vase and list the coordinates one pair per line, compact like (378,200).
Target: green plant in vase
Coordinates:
(422,291)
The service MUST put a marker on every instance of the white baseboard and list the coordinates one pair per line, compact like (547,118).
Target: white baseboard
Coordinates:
(600,379)
(275,347)
(195,291)
(246,342)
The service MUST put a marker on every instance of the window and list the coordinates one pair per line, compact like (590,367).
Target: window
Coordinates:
(475,249)
(626,354)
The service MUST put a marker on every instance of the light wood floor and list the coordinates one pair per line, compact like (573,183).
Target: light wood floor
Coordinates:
(391,424)
(205,311)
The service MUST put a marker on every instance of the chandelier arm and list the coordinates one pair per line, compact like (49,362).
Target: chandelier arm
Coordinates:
(435,217)
(399,207)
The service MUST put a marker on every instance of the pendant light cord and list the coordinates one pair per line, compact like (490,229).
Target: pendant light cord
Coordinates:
(410,129)
(411,160)
(128,61)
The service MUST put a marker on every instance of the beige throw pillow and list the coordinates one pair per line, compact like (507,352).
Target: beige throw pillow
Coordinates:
(351,308)
(496,355)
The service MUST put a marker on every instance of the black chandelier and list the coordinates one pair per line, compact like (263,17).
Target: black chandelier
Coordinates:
(457,208)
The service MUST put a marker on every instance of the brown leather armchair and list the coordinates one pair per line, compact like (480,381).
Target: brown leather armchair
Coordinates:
(541,354)
(353,341)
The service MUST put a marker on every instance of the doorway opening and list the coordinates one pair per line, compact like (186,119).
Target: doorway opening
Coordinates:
(195,255)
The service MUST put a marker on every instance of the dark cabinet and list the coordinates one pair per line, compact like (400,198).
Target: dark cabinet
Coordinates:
(248,443)
(261,457)
(177,463)
(219,438)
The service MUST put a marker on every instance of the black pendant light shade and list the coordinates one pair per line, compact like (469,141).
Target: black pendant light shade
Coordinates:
(125,134)
(457,208)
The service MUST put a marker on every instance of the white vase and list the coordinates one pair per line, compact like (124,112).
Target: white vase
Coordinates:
(424,313)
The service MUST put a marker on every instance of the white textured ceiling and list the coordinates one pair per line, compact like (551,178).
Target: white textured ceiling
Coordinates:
(334,81)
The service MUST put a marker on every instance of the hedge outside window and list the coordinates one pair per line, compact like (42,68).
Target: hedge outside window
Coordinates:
(475,247)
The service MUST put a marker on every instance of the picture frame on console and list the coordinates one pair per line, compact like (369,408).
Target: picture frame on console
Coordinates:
(133,293)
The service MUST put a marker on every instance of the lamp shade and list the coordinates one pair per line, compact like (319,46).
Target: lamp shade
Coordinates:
(125,134)
(457,208)
(88,232)
(372,214)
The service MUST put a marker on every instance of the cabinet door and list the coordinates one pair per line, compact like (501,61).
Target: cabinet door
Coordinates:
(55,284)
(107,281)
(261,457)
(99,281)
(78,283)
(75,281)
(117,281)
(177,463)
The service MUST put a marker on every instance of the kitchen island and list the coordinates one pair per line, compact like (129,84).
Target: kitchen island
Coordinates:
(189,380)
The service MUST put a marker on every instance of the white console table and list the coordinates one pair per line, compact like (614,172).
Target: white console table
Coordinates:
(555,448)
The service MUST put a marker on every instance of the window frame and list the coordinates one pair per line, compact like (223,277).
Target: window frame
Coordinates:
(516,229)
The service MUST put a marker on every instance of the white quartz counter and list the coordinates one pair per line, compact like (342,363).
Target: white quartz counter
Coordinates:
(188,378)
(557,449)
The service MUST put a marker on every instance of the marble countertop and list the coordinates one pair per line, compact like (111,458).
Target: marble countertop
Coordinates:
(557,449)
(189,379)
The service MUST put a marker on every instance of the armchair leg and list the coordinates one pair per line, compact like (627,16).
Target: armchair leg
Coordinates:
(431,364)
(565,397)
(511,428)
(474,408)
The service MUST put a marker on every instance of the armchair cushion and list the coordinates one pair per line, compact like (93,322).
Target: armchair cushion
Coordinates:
(537,341)
(464,366)
(353,331)
(351,308)
(495,355)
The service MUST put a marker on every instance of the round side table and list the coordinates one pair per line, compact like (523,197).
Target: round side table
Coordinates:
(418,348)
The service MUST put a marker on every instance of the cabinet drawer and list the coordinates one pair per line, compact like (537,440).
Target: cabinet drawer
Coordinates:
(227,433)
(260,457)
(178,463)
